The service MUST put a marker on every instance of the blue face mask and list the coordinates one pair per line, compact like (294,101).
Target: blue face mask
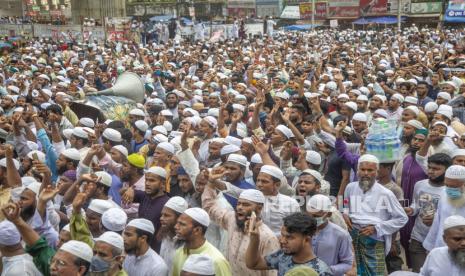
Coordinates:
(320,221)
(454,193)
(99,265)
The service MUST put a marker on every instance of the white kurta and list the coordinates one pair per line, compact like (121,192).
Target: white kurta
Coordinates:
(439,262)
(434,238)
(276,208)
(378,207)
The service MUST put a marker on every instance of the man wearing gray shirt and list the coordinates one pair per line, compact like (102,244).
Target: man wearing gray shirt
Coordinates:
(426,195)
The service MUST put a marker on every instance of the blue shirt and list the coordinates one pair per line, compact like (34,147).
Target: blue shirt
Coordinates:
(244,185)
(116,185)
(50,153)
(283,263)
(135,147)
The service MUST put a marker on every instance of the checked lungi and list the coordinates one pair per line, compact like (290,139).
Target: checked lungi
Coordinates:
(369,254)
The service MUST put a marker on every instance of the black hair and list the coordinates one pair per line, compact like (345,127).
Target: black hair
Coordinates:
(116,124)
(422,82)
(84,140)
(440,159)
(385,165)
(81,262)
(141,233)
(301,223)
(55,109)
(126,135)
(112,143)
(75,162)
(300,108)
(105,188)
(197,224)
(141,133)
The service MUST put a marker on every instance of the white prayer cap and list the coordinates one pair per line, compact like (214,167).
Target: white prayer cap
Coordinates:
(121,149)
(343,96)
(166,146)
(381,112)
(229,149)
(356,92)
(34,187)
(445,110)
(253,195)
(159,138)
(114,219)
(440,123)
(99,206)
(168,126)
(272,170)
(142,224)
(87,122)
(157,171)
(72,154)
(411,100)
(67,133)
(80,132)
(66,228)
(166,112)
(141,125)
(112,238)
(239,107)
(237,158)
(362,98)
(105,178)
(40,155)
(14,89)
(313,173)
(351,105)
(381,97)
(313,157)
(137,112)
(78,249)
(199,265)
(414,109)
(456,172)
(231,140)
(458,152)
(18,109)
(10,235)
(398,97)
(215,112)
(454,221)
(416,124)
(26,180)
(161,129)
(211,121)
(285,131)
(361,117)
(177,203)
(247,140)
(198,215)
(32,145)
(282,95)
(319,203)
(112,135)
(444,95)
(368,158)
(256,158)
(431,107)
(45,77)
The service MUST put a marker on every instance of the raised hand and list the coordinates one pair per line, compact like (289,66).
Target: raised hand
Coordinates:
(128,196)
(216,173)
(12,212)
(41,167)
(260,147)
(286,152)
(79,201)
(48,193)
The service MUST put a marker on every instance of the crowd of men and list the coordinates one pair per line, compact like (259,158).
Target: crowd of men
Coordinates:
(246,157)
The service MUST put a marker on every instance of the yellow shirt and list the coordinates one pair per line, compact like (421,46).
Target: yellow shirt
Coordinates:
(222,267)
(5,195)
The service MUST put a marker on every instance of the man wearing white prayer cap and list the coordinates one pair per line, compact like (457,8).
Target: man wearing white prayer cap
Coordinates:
(191,227)
(459,157)
(173,208)
(280,135)
(448,259)
(331,243)
(15,260)
(198,265)
(235,223)
(86,122)
(94,213)
(138,235)
(395,109)
(430,110)
(135,115)
(114,219)
(109,249)
(452,202)
(372,227)
(73,258)
(235,168)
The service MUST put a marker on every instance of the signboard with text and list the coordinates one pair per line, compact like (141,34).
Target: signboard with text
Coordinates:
(343,9)
(370,7)
(455,11)
(306,10)
(426,7)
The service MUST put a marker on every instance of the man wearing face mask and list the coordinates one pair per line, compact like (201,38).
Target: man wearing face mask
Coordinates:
(331,243)
(374,214)
(108,255)
(426,195)
(452,202)
(449,259)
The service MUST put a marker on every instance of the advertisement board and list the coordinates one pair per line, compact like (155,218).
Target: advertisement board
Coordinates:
(306,10)
(343,9)
(373,7)
(455,11)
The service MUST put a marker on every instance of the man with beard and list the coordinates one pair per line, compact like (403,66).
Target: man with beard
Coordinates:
(452,202)
(173,208)
(152,200)
(191,227)
(374,214)
(234,222)
(408,131)
(234,171)
(8,104)
(172,103)
(440,143)
(132,175)
(426,195)
(449,259)
(108,255)
(395,109)
(141,259)
(296,249)
(207,130)
(35,213)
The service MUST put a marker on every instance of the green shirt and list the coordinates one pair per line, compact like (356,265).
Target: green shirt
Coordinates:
(222,267)
(80,230)
(41,254)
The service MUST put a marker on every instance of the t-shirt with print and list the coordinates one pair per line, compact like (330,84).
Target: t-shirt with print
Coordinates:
(283,263)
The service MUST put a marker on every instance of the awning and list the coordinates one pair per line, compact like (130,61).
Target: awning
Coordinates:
(290,12)
(378,20)
(300,27)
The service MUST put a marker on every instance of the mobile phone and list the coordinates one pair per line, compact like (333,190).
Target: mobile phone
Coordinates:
(252,220)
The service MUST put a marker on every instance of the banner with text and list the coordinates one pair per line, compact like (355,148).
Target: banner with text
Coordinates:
(306,10)
(343,9)
(370,7)
(455,11)
(425,7)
